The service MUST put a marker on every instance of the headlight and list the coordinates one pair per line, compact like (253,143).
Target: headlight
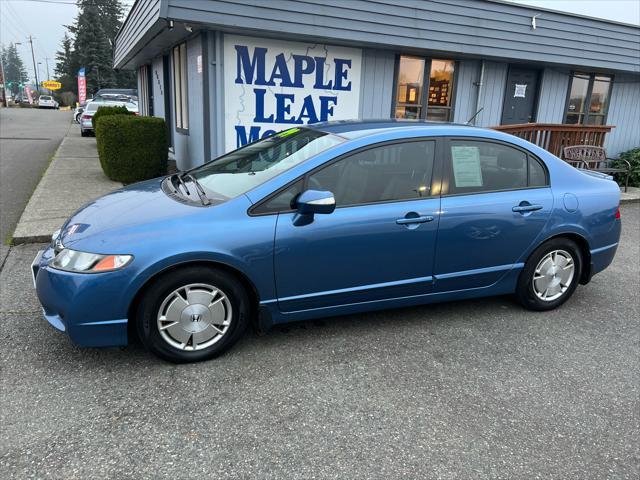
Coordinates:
(74,261)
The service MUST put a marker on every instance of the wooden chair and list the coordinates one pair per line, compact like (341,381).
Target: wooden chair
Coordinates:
(589,157)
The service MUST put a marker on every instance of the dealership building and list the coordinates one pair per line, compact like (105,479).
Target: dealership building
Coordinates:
(226,72)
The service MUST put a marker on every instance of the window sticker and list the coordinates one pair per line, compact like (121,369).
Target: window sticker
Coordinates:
(520,91)
(466,166)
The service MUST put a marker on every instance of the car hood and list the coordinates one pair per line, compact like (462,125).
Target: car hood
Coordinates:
(135,205)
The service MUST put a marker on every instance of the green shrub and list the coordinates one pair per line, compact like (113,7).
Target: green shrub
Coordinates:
(633,157)
(132,148)
(104,111)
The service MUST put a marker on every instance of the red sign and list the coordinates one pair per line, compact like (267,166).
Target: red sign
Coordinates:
(82,86)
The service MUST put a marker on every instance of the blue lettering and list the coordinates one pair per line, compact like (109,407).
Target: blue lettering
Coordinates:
(341,73)
(260,118)
(253,68)
(319,84)
(303,65)
(241,135)
(280,72)
(308,111)
(325,108)
(283,106)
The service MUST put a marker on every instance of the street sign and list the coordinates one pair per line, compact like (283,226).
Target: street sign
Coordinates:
(51,85)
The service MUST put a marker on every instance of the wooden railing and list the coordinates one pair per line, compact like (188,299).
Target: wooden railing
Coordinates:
(553,137)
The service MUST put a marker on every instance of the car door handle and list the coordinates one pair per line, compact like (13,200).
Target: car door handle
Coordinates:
(411,220)
(526,207)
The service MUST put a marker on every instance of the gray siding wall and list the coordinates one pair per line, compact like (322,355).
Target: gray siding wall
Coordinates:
(376,92)
(492,96)
(483,28)
(189,148)
(466,90)
(624,114)
(142,16)
(553,95)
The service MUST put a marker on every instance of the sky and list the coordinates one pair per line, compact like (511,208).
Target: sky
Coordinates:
(45,20)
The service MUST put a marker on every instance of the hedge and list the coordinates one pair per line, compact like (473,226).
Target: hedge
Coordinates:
(633,157)
(132,148)
(104,111)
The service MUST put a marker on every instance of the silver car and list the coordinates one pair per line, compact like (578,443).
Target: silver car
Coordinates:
(86,126)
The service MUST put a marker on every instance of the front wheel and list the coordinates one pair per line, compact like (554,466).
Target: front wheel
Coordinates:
(551,275)
(192,314)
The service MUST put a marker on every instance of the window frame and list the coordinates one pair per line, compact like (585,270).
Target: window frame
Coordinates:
(180,87)
(585,115)
(436,176)
(426,79)
(447,168)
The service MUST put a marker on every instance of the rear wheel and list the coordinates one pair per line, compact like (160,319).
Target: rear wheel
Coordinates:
(550,275)
(83,133)
(192,314)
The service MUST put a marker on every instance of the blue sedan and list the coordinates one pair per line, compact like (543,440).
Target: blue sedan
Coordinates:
(329,219)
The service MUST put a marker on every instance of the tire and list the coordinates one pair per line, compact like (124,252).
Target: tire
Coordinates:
(83,133)
(550,275)
(192,331)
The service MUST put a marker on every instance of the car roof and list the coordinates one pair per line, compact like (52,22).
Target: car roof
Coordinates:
(361,128)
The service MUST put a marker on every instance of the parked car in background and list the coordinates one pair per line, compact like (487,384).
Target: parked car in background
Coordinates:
(77,113)
(322,220)
(47,101)
(130,92)
(86,126)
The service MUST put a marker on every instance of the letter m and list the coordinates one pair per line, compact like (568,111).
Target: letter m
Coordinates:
(251,67)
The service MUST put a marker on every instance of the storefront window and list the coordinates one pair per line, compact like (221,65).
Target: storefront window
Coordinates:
(409,87)
(412,83)
(588,99)
(440,89)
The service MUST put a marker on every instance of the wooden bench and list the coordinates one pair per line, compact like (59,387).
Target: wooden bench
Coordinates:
(594,158)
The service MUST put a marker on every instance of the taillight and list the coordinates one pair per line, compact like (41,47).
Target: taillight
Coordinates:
(618,213)
(86,117)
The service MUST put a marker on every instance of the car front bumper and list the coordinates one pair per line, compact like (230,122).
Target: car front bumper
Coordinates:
(87,307)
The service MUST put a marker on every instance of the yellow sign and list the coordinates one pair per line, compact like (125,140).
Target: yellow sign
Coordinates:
(51,85)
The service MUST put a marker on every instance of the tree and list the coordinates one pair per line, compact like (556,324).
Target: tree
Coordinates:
(94,31)
(14,70)
(66,65)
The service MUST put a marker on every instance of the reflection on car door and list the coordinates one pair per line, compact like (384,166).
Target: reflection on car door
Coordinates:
(496,201)
(377,244)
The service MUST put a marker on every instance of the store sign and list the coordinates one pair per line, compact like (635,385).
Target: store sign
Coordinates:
(271,85)
(82,86)
(51,85)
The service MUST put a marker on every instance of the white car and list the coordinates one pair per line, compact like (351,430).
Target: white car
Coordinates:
(47,101)
(86,126)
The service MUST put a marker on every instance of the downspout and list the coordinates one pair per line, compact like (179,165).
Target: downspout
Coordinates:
(479,84)
(219,95)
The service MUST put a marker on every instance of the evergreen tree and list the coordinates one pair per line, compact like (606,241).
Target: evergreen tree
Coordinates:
(66,67)
(14,70)
(94,31)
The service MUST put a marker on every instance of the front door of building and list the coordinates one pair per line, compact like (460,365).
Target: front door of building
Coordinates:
(520,96)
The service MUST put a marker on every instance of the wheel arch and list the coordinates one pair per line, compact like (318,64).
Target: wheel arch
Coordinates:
(585,250)
(252,291)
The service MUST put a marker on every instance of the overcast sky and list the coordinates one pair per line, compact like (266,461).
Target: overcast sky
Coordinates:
(45,20)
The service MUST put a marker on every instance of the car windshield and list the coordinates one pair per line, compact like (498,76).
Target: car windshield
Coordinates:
(44,97)
(241,170)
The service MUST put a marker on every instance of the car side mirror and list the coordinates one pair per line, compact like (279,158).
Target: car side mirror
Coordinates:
(311,202)
(315,201)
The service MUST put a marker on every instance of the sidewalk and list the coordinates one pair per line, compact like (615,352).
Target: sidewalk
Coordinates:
(73,179)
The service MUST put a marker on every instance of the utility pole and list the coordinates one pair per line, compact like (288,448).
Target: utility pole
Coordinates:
(46,59)
(4,83)
(35,69)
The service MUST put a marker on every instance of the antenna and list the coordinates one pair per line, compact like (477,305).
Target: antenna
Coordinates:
(474,116)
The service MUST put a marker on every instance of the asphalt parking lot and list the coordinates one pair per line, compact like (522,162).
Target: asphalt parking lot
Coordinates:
(476,389)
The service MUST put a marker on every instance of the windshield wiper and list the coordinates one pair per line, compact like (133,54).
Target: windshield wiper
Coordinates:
(203,196)
(181,182)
